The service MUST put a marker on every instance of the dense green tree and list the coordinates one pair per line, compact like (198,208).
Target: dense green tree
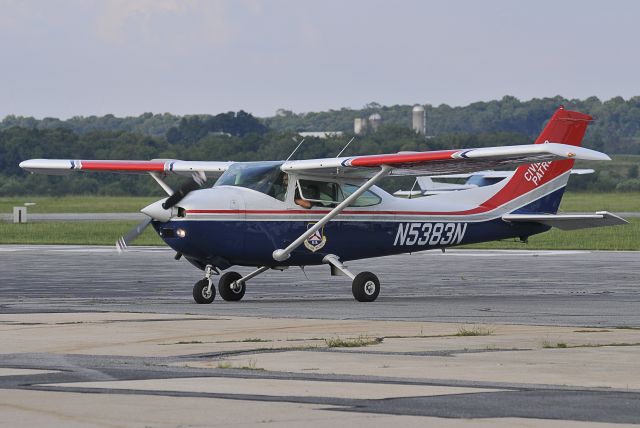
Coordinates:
(242,137)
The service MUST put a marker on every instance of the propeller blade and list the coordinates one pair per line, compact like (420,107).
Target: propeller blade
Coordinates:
(197,180)
(124,241)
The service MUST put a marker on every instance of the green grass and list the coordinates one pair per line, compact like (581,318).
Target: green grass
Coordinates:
(356,342)
(617,238)
(572,201)
(77,232)
(475,330)
(548,345)
(626,237)
(78,204)
(590,202)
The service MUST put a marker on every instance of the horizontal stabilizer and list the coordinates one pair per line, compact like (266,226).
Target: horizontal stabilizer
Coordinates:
(568,221)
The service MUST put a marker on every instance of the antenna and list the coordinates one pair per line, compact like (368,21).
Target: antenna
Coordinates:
(297,147)
(413,187)
(345,147)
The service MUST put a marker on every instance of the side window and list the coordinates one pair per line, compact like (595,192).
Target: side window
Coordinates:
(323,192)
(367,199)
(279,188)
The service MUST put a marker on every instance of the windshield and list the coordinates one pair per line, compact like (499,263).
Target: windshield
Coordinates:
(264,177)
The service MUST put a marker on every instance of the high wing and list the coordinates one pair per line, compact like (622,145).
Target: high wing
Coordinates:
(443,161)
(403,163)
(160,166)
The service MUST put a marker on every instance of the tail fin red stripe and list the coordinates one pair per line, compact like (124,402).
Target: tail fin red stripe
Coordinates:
(565,127)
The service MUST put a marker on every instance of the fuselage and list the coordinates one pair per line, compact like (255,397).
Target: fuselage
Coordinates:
(232,225)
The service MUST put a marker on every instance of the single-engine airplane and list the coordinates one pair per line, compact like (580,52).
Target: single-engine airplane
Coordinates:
(273,215)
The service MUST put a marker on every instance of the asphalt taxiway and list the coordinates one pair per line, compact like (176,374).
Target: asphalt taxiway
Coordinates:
(546,338)
(520,287)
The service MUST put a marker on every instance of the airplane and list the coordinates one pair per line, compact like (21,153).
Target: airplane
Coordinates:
(279,214)
(430,187)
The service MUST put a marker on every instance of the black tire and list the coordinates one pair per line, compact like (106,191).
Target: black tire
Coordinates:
(225,289)
(199,292)
(365,287)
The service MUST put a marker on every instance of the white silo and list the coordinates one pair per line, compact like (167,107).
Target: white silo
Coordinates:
(419,120)
(359,125)
(375,120)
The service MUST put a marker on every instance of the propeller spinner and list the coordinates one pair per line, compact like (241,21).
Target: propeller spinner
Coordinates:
(162,210)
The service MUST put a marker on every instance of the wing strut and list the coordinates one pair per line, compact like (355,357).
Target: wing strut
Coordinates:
(162,183)
(283,254)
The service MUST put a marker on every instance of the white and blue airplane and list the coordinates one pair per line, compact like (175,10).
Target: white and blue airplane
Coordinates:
(278,214)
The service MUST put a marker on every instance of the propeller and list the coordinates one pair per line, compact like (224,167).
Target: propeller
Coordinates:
(155,212)
(124,241)
(197,180)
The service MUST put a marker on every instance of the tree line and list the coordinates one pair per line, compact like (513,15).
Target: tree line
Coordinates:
(242,137)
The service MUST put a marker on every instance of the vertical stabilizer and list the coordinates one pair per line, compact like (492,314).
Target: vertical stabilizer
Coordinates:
(565,127)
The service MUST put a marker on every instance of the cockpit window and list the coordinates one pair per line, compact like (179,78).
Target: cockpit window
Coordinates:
(264,177)
(367,199)
(328,193)
(323,192)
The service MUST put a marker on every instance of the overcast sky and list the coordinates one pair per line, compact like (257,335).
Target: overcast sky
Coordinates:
(82,57)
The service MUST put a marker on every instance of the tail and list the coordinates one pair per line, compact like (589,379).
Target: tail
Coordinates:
(565,127)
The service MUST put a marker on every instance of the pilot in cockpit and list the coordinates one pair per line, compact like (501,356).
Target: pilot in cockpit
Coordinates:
(280,190)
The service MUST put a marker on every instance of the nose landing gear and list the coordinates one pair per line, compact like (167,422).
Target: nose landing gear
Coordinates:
(203,291)
(231,286)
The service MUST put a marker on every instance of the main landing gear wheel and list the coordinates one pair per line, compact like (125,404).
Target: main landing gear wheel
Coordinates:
(229,288)
(365,287)
(201,294)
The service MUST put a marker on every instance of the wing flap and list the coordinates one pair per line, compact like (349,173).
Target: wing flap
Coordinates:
(568,221)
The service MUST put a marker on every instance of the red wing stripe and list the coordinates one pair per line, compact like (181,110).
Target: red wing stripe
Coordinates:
(122,166)
(403,158)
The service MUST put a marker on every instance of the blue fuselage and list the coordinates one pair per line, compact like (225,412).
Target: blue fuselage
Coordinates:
(251,243)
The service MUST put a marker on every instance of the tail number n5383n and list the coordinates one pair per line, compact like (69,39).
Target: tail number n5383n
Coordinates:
(430,233)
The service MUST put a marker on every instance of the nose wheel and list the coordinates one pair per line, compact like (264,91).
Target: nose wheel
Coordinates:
(203,293)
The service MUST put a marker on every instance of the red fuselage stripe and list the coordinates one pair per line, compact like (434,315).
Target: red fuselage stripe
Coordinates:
(285,212)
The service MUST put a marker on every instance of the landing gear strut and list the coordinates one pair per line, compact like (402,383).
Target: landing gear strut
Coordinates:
(203,291)
(365,286)
(232,285)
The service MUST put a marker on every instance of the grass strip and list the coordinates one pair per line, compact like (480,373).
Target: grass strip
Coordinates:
(355,342)
(475,330)
(79,233)
(618,238)
(571,202)
(78,204)
(625,237)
